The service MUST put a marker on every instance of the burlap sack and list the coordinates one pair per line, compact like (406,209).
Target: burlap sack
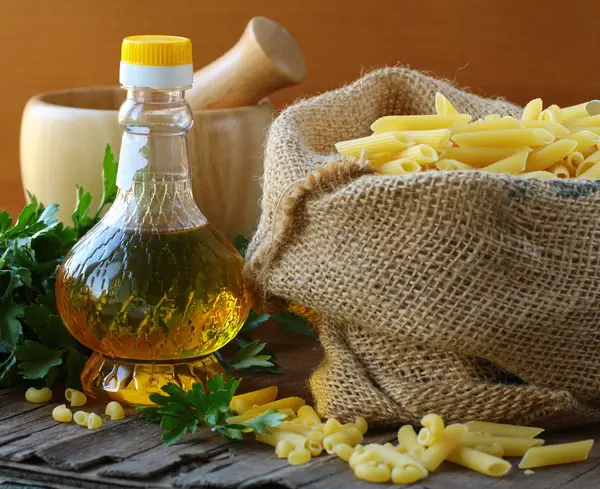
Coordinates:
(472,295)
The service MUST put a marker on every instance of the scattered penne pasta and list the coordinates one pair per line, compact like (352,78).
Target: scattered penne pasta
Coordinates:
(553,141)
(498,429)
(564,453)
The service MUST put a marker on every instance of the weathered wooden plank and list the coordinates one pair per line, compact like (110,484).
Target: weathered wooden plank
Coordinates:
(161,460)
(16,405)
(116,441)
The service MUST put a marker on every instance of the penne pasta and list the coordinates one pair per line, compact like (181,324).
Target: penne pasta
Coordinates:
(560,169)
(543,175)
(575,158)
(583,167)
(377,143)
(293,403)
(390,456)
(417,122)
(439,450)
(499,429)
(492,125)
(425,437)
(574,111)
(581,122)
(591,172)
(380,158)
(407,438)
(532,110)
(585,140)
(479,461)
(594,129)
(552,113)
(434,423)
(507,138)
(545,157)
(493,449)
(555,128)
(564,453)
(243,402)
(514,164)
(432,137)
(478,157)
(513,446)
(594,157)
(421,153)
(443,105)
(401,166)
(452,165)
(274,438)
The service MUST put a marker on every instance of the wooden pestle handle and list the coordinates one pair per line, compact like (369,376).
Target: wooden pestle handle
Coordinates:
(265,59)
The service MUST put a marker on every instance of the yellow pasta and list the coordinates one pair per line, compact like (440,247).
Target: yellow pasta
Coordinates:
(560,170)
(114,410)
(479,461)
(392,457)
(406,475)
(490,125)
(434,423)
(308,413)
(552,113)
(38,396)
(315,448)
(294,427)
(592,172)
(425,437)
(443,105)
(349,436)
(432,137)
(543,175)
(361,424)
(532,110)
(452,165)
(574,112)
(299,456)
(421,153)
(583,167)
(81,418)
(377,143)
(400,166)
(62,414)
(293,403)
(581,122)
(284,448)
(555,128)
(407,438)
(564,453)
(508,138)
(438,451)
(575,158)
(376,474)
(543,158)
(477,157)
(514,164)
(75,397)
(594,129)
(332,426)
(494,449)
(315,436)
(513,446)
(585,140)
(344,451)
(276,436)
(94,421)
(417,122)
(243,402)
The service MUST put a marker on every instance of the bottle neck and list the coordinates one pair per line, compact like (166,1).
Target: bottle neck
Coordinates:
(154,179)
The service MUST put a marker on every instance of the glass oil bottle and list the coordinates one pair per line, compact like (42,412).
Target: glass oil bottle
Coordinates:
(152,289)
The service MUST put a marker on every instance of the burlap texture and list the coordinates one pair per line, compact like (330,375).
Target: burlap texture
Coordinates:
(471,295)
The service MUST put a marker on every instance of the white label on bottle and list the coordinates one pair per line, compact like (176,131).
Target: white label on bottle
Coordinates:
(133,157)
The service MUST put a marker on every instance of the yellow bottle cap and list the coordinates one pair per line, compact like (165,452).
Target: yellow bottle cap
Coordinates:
(152,50)
(159,62)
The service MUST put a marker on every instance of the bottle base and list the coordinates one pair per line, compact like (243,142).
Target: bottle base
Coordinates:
(133,381)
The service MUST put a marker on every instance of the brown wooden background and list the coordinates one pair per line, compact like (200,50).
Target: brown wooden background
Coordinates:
(516,48)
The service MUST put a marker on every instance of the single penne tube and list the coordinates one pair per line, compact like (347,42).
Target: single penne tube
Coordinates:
(479,461)
(401,166)
(560,170)
(439,450)
(417,122)
(552,113)
(589,152)
(493,125)
(243,402)
(421,153)
(543,175)
(583,167)
(554,127)
(274,438)
(477,157)
(546,156)
(452,165)
(585,140)
(592,172)
(499,429)
(565,453)
(432,137)
(434,423)
(387,142)
(307,412)
(513,446)
(594,129)
(390,456)
(378,158)
(574,111)
(408,440)
(514,164)
(293,403)
(575,158)
(532,110)
(508,138)
(494,449)
(443,105)
(349,436)
(581,122)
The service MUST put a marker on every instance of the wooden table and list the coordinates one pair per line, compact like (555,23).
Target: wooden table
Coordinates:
(128,454)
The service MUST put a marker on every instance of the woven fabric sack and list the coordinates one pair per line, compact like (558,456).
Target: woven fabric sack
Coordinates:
(472,295)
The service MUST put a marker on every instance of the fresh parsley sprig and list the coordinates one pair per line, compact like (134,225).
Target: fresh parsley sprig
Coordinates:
(179,412)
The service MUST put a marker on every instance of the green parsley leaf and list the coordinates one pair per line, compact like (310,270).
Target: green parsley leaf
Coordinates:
(10,326)
(294,324)
(109,180)
(264,421)
(37,359)
(81,221)
(248,357)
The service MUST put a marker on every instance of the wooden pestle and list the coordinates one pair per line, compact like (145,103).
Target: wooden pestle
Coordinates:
(265,59)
